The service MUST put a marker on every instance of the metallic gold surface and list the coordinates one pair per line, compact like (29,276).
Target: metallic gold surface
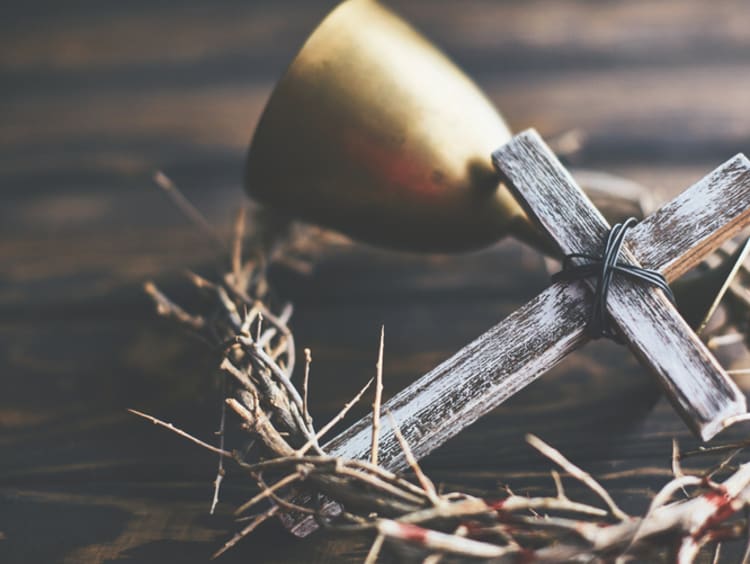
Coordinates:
(372,131)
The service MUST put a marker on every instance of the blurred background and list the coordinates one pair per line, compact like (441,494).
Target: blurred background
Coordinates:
(97,96)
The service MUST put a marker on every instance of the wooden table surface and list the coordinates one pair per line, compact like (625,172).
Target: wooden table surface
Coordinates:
(97,95)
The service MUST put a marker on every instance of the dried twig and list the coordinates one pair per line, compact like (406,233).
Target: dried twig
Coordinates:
(254,524)
(239,234)
(341,414)
(167,308)
(427,485)
(435,540)
(305,384)
(377,545)
(377,401)
(268,491)
(187,208)
(220,472)
(180,432)
(557,457)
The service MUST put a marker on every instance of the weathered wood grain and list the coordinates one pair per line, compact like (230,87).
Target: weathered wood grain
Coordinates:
(485,373)
(694,381)
(687,229)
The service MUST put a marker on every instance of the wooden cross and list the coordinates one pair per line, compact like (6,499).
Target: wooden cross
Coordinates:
(530,341)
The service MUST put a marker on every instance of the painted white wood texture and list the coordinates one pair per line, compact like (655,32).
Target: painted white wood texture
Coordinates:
(533,339)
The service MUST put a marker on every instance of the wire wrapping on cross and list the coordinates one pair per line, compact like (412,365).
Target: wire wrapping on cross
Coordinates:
(603,268)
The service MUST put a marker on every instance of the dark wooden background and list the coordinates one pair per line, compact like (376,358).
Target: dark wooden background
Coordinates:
(96,95)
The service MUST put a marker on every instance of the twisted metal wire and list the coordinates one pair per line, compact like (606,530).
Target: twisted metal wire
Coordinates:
(604,268)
